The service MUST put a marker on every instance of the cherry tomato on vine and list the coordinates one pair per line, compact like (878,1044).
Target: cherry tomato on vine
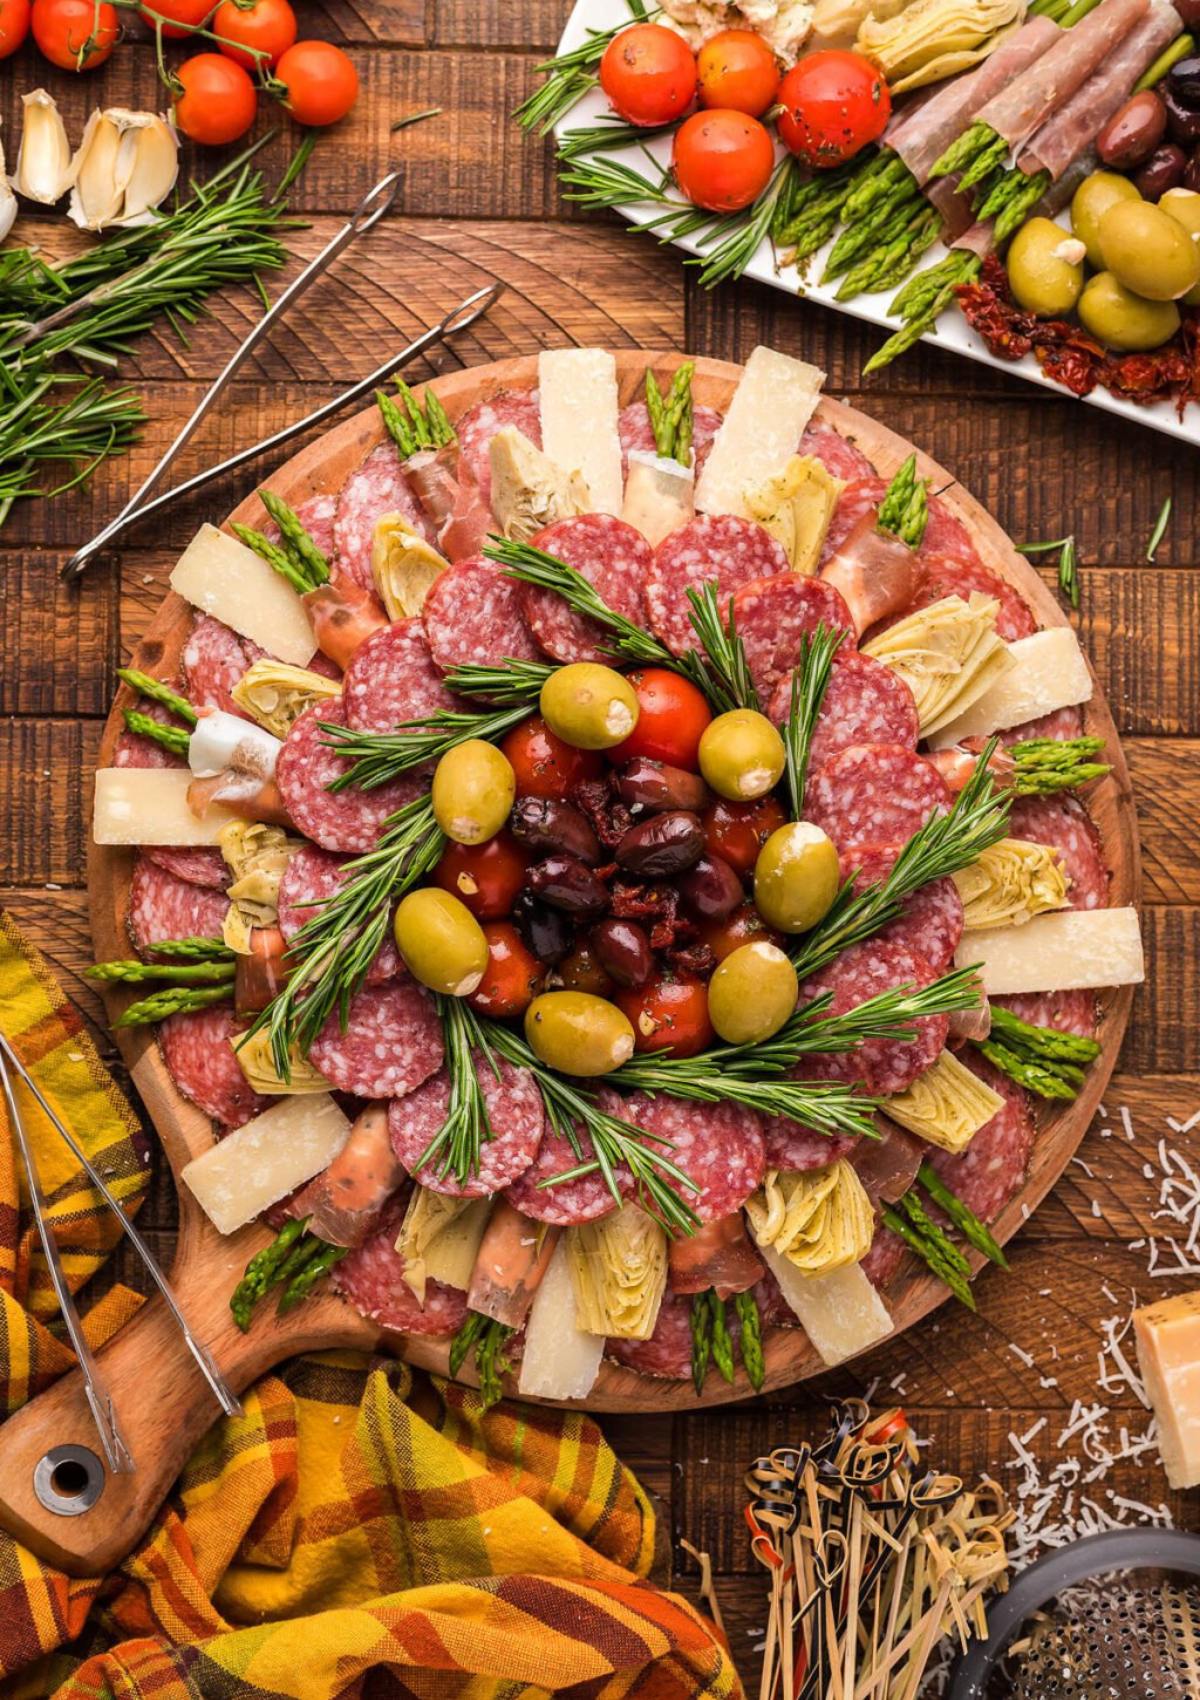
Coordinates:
(737,70)
(217,101)
(75,35)
(672,714)
(14,25)
(737,831)
(513,976)
(669,1012)
(485,877)
(722,160)
(319,83)
(835,103)
(649,75)
(176,15)
(269,25)
(544,766)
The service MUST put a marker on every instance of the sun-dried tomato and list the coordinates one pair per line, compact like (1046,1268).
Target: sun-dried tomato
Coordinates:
(609,817)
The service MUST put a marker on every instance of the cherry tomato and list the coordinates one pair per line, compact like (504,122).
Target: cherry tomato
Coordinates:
(320,81)
(672,714)
(744,926)
(737,70)
(217,101)
(513,976)
(14,25)
(669,1012)
(738,831)
(580,972)
(180,12)
(484,877)
(269,25)
(835,103)
(75,35)
(648,74)
(722,160)
(543,764)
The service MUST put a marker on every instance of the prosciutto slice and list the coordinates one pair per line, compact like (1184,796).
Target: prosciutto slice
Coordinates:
(1030,99)
(875,572)
(981,238)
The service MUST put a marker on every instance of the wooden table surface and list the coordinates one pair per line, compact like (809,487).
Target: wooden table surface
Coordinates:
(479,202)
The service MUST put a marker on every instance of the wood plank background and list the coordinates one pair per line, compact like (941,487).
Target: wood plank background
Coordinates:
(479,202)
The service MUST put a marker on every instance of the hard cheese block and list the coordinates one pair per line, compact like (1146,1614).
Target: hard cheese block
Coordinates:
(1168,1343)
(233,584)
(840,1312)
(1073,949)
(258,1164)
(578,401)
(1050,673)
(148,805)
(758,436)
(560,1360)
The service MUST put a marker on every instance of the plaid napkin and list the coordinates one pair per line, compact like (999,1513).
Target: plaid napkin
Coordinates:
(355,1516)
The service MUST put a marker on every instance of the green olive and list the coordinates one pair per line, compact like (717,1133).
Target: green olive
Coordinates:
(1149,251)
(741,755)
(473,790)
(752,993)
(1092,200)
(589,706)
(578,1033)
(1122,320)
(1045,268)
(441,941)
(796,877)
(1183,205)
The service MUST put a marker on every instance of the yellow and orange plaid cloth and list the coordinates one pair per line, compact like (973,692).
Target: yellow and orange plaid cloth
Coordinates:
(358,1531)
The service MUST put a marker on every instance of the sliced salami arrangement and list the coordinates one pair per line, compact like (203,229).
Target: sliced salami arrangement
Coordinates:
(671,920)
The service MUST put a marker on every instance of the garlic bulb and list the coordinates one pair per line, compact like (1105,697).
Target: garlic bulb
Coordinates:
(8,201)
(125,166)
(44,161)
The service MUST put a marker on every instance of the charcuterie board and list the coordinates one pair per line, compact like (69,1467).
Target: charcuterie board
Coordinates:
(158,1393)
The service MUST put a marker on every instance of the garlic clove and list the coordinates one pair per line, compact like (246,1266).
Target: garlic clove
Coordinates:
(126,164)
(149,165)
(96,195)
(8,201)
(44,160)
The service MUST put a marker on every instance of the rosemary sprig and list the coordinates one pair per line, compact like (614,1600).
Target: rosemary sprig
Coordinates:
(569,76)
(810,680)
(414,425)
(1045,765)
(963,1217)
(721,671)
(599,184)
(1068,564)
(533,566)
(608,134)
(172,738)
(507,682)
(376,758)
(93,423)
(671,416)
(904,510)
(157,692)
(1160,530)
(739,237)
(932,1244)
(459,1140)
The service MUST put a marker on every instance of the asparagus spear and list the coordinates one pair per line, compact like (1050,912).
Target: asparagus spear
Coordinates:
(295,539)
(133,973)
(752,1344)
(145,686)
(172,738)
(194,950)
(904,510)
(722,1344)
(301,1282)
(260,1272)
(933,1246)
(276,557)
(1045,765)
(464,1341)
(173,1000)
(963,1217)
(1046,1042)
(701,1325)
(491,1362)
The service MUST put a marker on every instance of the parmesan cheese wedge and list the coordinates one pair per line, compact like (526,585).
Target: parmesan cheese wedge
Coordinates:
(148,805)
(840,1312)
(1073,949)
(561,1361)
(771,406)
(579,406)
(258,1164)
(1168,1347)
(222,577)
(1050,673)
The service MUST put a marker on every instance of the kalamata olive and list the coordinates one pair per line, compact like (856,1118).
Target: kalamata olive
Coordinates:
(546,931)
(1133,132)
(663,845)
(565,883)
(1183,80)
(1191,175)
(656,785)
(1189,12)
(1183,119)
(546,825)
(1165,169)
(712,889)
(622,950)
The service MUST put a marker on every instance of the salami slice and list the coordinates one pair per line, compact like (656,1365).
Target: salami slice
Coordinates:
(884,1257)
(773,614)
(473,613)
(864,971)
(712,548)
(1065,823)
(667,1354)
(337,820)
(865,703)
(194,864)
(479,425)
(132,750)
(860,497)
(947,575)
(837,454)
(392,1042)
(214,659)
(162,906)
(392,678)
(197,1048)
(1059,723)
(372,1278)
(718,1146)
(791,1146)
(311,875)
(875,794)
(637,433)
(583,1200)
(514,1108)
(378,487)
(931,920)
(1069,1012)
(991,1169)
(614,558)
(945,534)
(773,1308)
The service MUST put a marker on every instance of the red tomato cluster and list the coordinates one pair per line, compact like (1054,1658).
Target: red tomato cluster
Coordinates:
(831,103)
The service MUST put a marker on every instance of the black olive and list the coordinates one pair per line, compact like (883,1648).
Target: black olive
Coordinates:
(546,825)
(546,931)
(663,845)
(656,785)
(564,883)
(623,951)
(712,889)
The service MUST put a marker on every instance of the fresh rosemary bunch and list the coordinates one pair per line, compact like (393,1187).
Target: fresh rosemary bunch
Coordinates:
(569,76)
(671,415)
(719,667)
(376,758)
(459,1140)
(731,243)
(533,566)
(810,680)
(904,510)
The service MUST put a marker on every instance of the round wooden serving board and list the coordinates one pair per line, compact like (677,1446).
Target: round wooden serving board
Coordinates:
(161,1400)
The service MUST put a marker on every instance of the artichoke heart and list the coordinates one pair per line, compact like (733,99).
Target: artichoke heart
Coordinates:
(796,507)
(819,1221)
(124,167)
(439,1239)
(948,655)
(619,1272)
(529,490)
(44,158)
(1010,883)
(933,39)
(254,1059)
(403,565)
(256,856)
(947,1105)
(276,694)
